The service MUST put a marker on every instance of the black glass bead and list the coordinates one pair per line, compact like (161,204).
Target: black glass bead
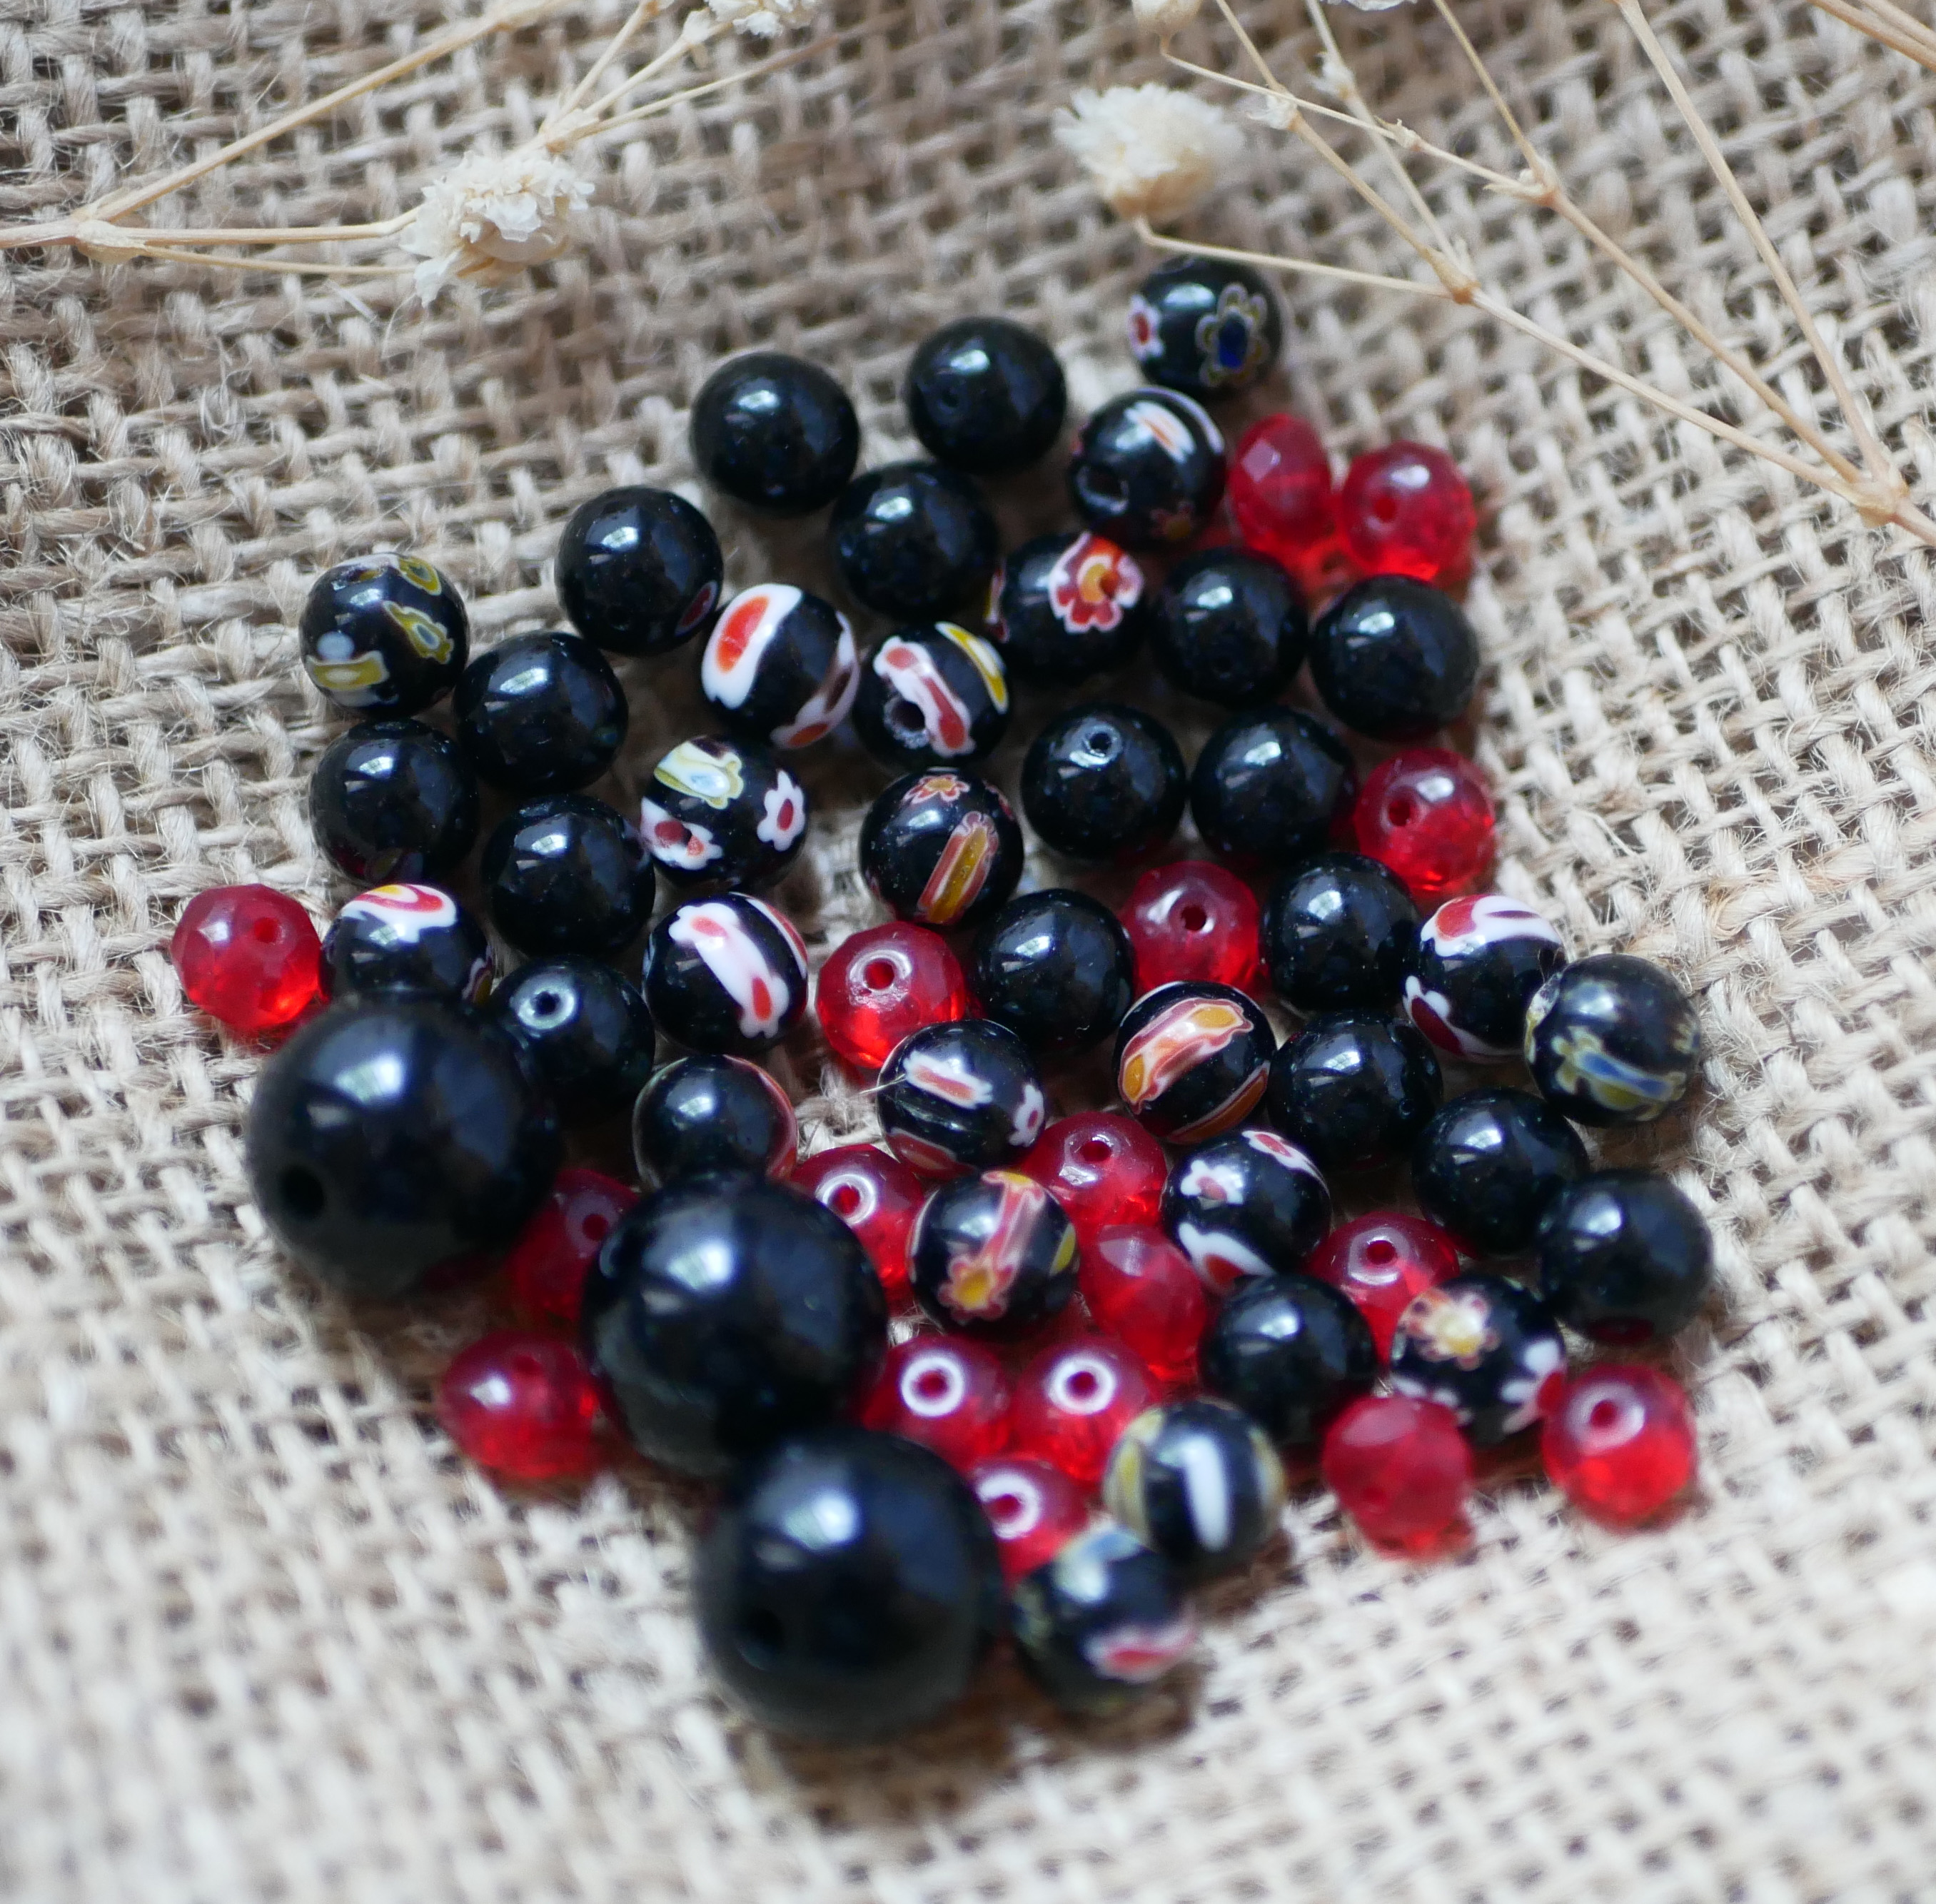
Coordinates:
(1192,1060)
(1395,658)
(848,1588)
(1205,327)
(639,571)
(1612,1039)
(941,848)
(1480,961)
(384,635)
(1229,626)
(725,1311)
(1355,1088)
(394,1137)
(993,1254)
(394,799)
(1484,1347)
(567,873)
(724,812)
(1104,782)
(775,433)
(780,666)
(1488,1165)
(960,1096)
(726,974)
(1200,1483)
(1103,1622)
(407,938)
(914,540)
(1147,469)
(1292,1353)
(540,713)
(986,395)
(1624,1257)
(585,1030)
(711,1113)
(1066,606)
(932,695)
(1339,930)
(1056,968)
(1270,788)
(1246,1204)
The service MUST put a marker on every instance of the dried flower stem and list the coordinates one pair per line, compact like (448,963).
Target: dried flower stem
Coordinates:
(1901,32)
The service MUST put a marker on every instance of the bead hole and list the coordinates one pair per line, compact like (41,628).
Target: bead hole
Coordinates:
(525,1363)
(878,975)
(1095,1150)
(1194,918)
(1401,810)
(596,1228)
(931,1384)
(1603,1415)
(1006,1510)
(265,932)
(1380,1253)
(845,1200)
(1084,1385)
(547,1002)
(302,1191)
(1384,508)
(906,719)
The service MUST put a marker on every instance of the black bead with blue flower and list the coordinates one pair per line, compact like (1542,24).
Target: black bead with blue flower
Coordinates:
(1205,327)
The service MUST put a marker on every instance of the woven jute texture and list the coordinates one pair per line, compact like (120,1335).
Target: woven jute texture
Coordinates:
(266,1636)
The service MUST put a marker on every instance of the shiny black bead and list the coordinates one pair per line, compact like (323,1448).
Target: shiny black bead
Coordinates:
(1270,788)
(914,541)
(567,874)
(393,800)
(384,635)
(1192,1061)
(585,1030)
(1624,1257)
(724,812)
(848,1588)
(1484,1347)
(992,1255)
(540,713)
(932,695)
(726,974)
(639,571)
(986,395)
(1340,930)
(1612,1039)
(941,849)
(1056,968)
(1205,327)
(780,666)
(1104,782)
(392,1138)
(1066,606)
(1395,658)
(1355,1088)
(1480,961)
(1199,1482)
(725,1312)
(1488,1166)
(1147,469)
(775,433)
(1246,1204)
(1229,626)
(406,938)
(1292,1352)
(712,1113)
(960,1096)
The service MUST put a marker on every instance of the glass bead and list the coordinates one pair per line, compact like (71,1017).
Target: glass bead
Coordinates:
(1248,1204)
(1270,789)
(567,873)
(1055,967)
(707,1113)
(1072,1402)
(882,983)
(1228,626)
(1394,659)
(1382,1261)
(913,541)
(931,695)
(992,1255)
(1484,1347)
(407,938)
(249,956)
(1339,931)
(1104,782)
(960,1096)
(1426,815)
(585,1030)
(1479,962)
(546,1269)
(393,800)
(386,634)
(1033,1509)
(1102,1167)
(1620,1445)
(523,1405)
(1193,1060)
(941,848)
(639,571)
(1291,1352)
(1066,607)
(1147,469)
(723,812)
(1612,1039)
(1401,1469)
(1624,1257)
(948,1394)
(1198,1482)
(780,666)
(985,394)
(1141,1288)
(1192,922)
(1280,495)
(1206,326)
(1405,509)
(1487,1166)
(877,1196)
(1355,1089)
(541,713)
(775,433)
(726,974)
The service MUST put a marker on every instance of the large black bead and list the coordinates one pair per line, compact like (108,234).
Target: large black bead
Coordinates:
(384,635)
(1147,469)
(965,1096)
(1488,1165)
(1339,931)
(775,433)
(1204,326)
(394,799)
(1624,1257)
(848,1588)
(1104,782)
(932,695)
(1198,1482)
(1070,606)
(726,974)
(941,848)
(1612,1039)
(1480,961)
(1192,1060)
(725,1312)
(1395,658)
(1355,1088)
(639,571)
(1246,1204)
(540,713)
(1056,968)
(915,541)
(392,1138)
(992,1255)
(1270,789)
(1292,1352)
(1484,1347)
(1230,626)
(406,938)
(567,873)
(986,395)
(722,812)
(711,1113)
(585,1030)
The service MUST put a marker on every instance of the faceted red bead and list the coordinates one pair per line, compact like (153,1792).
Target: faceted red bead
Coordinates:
(1141,1288)
(523,1404)
(1381,1261)
(1191,920)
(948,1394)
(1033,1508)
(545,1269)
(1280,494)
(1073,1402)
(880,984)
(1102,1167)
(1426,814)
(876,1196)
(249,956)
(1405,510)
(1400,1468)
(1621,1443)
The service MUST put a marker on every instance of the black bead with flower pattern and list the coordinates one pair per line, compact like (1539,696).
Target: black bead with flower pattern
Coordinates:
(722,811)
(1193,1060)
(932,696)
(1147,469)
(992,1255)
(1198,1482)
(1069,606)
(1480,961)
(965,1096)
(780,666)
(1484,1347)
(1612,1039)
(406,938)
(941,848)
(726,974)
(1204,326)
(1249,1204)
(387,634)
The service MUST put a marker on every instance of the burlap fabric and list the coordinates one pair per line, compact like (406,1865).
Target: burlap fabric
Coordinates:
(265,1636)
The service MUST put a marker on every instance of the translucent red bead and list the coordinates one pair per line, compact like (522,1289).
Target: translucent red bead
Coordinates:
(1280,495)
(249,956)
(546,1269)
(880,984)
(1401,1469)
(948,1394)
(1405,510)
(1621,1443)
(1425,813)
(1073,1403)
(876,1196)
(1192,921)
(1033,1508)
(1382,1261)
(1140,1287)
(1102,1167)
(523,1404)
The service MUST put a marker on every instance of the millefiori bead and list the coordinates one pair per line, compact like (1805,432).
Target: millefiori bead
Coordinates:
(1198,1482)
(1148,469)
(960,1096)
(1248,1204)
(1478,964)
(1206,326)
(992,1255)
(1066,606)
(941,848)
(780,666)
(1484,1347)
(931,695)
(727,974)
(724,812)
(1612,1039)
(1192,1061)
(406,938)
(386,634)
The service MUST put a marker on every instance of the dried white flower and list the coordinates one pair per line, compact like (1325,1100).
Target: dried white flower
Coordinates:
(1151,151)
(1164,17)
(763,18)
(1371,6)
(492,213)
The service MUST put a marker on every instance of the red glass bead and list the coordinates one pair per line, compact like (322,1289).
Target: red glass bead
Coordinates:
(1400,1468)
(1192,921)
(1073,1402)
(1141,1288)
(1033,1508)
(1425,813)
(1620,1445)
(1102,1167)
(877,1196)
(880,984)
(1405,510)
(1381,1261)
(948,1394)
(249,956)
(545,1269)
(523,1404)
(1280,494)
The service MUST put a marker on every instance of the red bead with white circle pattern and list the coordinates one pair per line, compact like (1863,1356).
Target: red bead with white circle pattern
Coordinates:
(1621,1442)
(1073,1403)
(949,1395)
(880,984)
(877,1196)
(1033,1509)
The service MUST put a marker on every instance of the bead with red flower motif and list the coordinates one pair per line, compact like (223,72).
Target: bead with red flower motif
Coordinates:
(1620,1444)
(1405,510)
(877,1196)
(949,1395)
(523,1404)
(249,956)
(1102,1167)
(880,984)
(1425,813)
(545,1269)
(1074,1400)
(1192,921)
